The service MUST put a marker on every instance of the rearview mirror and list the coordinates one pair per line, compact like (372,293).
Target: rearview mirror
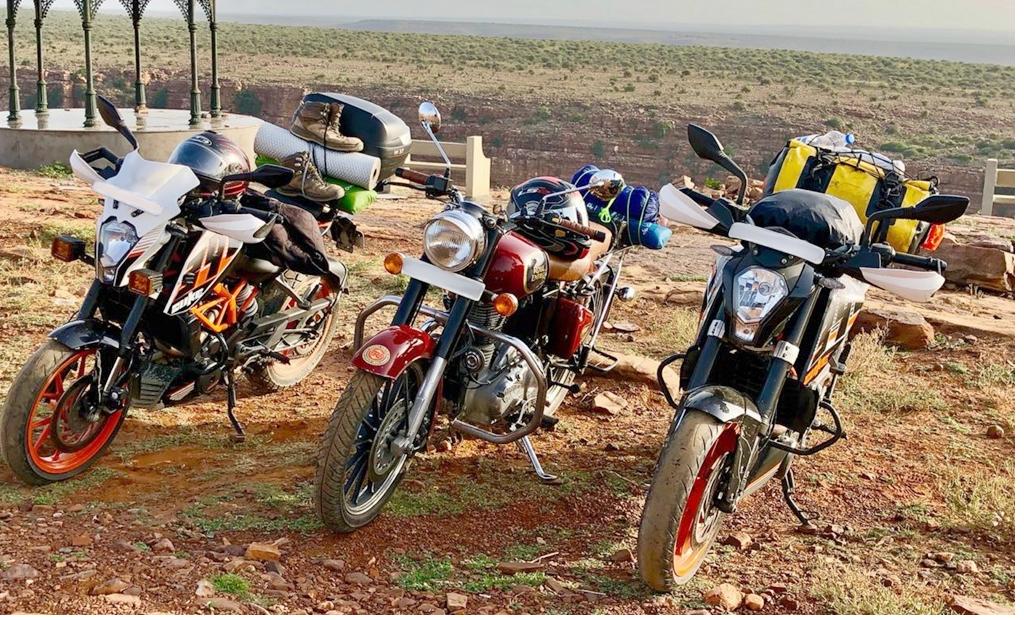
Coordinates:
(429,116)
(707,146)
(606,184)
(270,175)
(704,143)
(112,118)
(939,209)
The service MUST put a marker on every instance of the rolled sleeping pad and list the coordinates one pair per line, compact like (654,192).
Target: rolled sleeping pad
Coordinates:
(355,200)
(356,168)
(650,235)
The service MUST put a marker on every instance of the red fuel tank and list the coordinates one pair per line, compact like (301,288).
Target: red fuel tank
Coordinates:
(519,267)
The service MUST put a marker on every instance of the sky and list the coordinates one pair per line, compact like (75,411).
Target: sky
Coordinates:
(742,15)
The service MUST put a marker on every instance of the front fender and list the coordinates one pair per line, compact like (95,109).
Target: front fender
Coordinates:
(725,404)
(86,334)
(392,350)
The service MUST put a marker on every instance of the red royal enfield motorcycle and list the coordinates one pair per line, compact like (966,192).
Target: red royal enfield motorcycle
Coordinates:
(526,292)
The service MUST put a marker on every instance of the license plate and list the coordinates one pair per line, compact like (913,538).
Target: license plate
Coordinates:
(435,276)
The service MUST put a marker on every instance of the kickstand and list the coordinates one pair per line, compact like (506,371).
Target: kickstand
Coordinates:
(235,424)
(527,446)
(788,489)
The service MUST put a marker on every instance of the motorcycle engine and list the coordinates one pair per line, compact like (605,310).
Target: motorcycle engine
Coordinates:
(501,391)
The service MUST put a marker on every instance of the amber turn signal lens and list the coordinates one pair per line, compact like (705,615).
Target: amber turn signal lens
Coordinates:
(934,237)
(393,263)
(506,304)
(67,248)
(145,282)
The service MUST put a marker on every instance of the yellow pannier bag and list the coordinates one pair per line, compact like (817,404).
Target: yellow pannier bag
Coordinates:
(854,178)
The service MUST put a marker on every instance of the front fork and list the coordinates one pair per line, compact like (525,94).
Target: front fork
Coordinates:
(753,435)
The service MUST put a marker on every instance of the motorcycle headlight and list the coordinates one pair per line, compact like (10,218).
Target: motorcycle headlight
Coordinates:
(115,239)
(453,240)
(755,292)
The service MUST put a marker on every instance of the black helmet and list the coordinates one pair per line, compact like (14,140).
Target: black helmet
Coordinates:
(526,197)
(212,156)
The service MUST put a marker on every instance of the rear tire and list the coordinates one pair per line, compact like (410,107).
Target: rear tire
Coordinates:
(669,552)
(273,376)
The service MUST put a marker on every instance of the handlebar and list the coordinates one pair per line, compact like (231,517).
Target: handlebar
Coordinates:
(924,262)
(587,231)
(412,175)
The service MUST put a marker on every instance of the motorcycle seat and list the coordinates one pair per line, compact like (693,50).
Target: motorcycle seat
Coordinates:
(570,270)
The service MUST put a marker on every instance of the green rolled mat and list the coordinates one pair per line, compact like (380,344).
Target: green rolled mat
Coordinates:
(355,200)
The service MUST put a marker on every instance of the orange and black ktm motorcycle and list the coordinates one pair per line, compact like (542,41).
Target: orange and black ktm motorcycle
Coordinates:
(771,346)
(184,299)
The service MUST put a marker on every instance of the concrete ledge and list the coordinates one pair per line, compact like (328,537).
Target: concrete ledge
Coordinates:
(39,142)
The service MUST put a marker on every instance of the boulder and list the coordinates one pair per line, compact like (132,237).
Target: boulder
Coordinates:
(753,602)
(989,268)
(904,328)
(455,601)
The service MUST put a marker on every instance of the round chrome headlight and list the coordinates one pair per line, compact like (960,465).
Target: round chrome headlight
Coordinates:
(453,240)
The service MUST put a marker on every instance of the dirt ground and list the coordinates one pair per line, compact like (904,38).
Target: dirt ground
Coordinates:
(916,506)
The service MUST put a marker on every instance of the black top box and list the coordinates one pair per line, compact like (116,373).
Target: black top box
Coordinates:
(384,135)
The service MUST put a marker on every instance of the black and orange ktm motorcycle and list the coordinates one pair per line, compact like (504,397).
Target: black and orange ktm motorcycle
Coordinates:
(185,298)
(771,346)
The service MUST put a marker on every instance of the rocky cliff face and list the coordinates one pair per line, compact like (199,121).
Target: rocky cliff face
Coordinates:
(524,136)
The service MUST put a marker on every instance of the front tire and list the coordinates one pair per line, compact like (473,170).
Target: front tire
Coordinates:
(53,382)
(356,473)
(680,520)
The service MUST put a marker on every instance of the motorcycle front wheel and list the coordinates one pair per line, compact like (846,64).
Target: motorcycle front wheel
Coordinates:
(680,518)
(356,472)
(46,431)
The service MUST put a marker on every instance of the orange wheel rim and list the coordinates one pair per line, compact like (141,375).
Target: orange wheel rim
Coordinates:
(45,455)
(698,523)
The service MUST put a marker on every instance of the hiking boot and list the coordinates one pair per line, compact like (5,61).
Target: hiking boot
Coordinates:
(320,123)
(306,180)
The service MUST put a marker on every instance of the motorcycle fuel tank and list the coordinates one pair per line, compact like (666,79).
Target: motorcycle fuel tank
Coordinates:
(519,267)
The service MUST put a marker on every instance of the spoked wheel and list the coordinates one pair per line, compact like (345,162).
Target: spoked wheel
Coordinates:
(358,472)
(681,519)
(304,351)
(50,426)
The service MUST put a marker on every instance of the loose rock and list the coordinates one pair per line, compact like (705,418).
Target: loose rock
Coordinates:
(20,572)
(904,328)
(740,540)
(976,606)
(335,565)
(511,568)
(111,586)
(753,602)
(163,546)
(205,589)
(359,579)
(262,551)
(726,596)
(81,540)
(623,555)
(995,432)
(223,604)
(455,601)
(609,403)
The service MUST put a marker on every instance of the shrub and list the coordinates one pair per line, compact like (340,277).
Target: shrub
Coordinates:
(246,102)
